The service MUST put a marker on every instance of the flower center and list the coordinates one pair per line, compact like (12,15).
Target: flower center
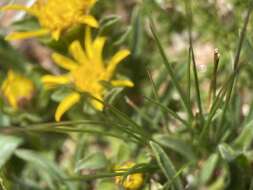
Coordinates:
(88,79)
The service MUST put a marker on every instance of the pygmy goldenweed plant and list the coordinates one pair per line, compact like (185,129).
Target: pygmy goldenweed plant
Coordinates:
(185,124)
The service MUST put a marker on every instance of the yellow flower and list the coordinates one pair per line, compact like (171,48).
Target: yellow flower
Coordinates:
(85,72)
(55,16)
(17,89)
(132,181)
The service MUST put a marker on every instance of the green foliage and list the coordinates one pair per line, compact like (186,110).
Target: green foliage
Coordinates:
(186,124)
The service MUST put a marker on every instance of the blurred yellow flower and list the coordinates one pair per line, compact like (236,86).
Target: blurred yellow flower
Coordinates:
(132,181)
(86,71)
(17,89)
(55,16)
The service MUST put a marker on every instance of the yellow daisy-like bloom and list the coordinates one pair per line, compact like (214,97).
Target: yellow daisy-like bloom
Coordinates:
(131,182)
(86,71)
(55,16)
(17,89)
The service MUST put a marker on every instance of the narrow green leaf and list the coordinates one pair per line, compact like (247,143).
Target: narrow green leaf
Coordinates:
(106,184)
(169,68)
(188,7)
(176,144)
(93,161)
(236,63)
(189,78)
(166,109)
(2,186)
(244,140)
(45,165)
(123,153)
(136,128)
(137,32)
(141,112)
(227,152)
(8,145)
(166,166)
(215,106)
(208,168)
(123,37)
(59,94)
(196,80)
(219,184)
(141,168)
(107,23)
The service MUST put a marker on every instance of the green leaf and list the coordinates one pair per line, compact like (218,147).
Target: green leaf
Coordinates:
(240,173)
(169,67)
(243,141)
(106,184)
(166,166)
(177,145)
(107,23)
(93,161)
(208,168)
(8,145)
(45,165)
(123,37)
(2,186)
(167,109)
(14,59)
(113,94)
(227,152)
(4,120)
(26,24)
(219,184)
(58,95)
(123,153)
(136,38)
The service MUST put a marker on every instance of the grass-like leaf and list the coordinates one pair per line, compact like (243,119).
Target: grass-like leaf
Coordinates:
(166,166)
(169,68)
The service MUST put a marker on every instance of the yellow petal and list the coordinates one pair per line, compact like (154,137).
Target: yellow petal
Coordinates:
(25,35)
(115,60)
(98,46)
(12,101)
(97,105)
(88,43)
(77,52)
(119,83)
(51,81)
(11,75)
(91,3)
(56,34)
(89,20)
(16,8)
(66,104)
(64,62)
